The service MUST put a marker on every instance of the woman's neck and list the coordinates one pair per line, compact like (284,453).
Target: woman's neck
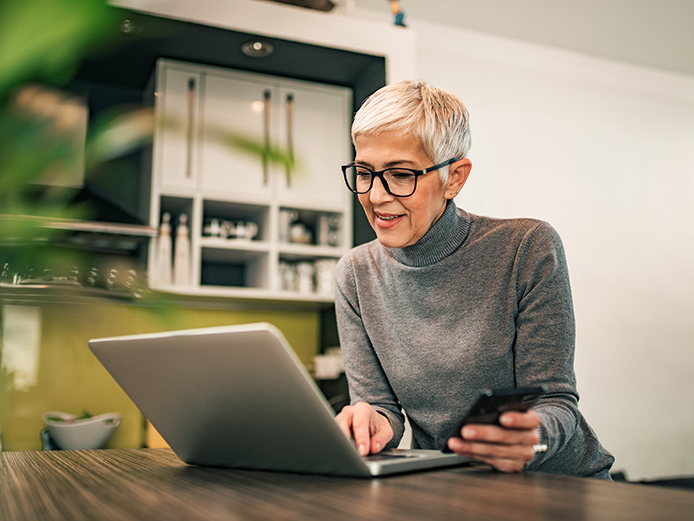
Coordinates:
(444,237)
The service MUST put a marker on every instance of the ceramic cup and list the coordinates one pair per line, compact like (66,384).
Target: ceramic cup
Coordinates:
(244,230)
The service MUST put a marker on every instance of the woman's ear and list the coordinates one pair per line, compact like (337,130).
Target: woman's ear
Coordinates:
(458,173)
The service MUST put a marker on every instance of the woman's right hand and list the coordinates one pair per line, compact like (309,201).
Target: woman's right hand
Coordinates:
(371,430)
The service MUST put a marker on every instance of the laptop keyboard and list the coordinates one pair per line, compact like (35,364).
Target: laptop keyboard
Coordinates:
(388,456)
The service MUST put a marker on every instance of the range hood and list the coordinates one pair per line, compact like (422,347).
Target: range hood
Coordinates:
(107,227)
(104,198)
(318,5)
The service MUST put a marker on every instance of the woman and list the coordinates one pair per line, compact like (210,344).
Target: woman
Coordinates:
(446,303)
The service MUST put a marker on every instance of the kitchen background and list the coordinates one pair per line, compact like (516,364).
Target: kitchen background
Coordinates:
(597,146)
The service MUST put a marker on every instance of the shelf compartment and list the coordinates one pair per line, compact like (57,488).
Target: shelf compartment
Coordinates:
(235,213)
(175,205)
(314,227)
(234,268)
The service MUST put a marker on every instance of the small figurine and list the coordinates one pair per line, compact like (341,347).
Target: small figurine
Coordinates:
(398,13)
(181,264)
(164,275)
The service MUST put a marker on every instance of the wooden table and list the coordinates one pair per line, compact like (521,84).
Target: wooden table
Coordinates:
(153,484)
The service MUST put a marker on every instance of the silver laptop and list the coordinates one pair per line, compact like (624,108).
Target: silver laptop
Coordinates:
(238,397)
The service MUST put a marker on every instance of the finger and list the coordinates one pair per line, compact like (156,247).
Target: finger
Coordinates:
(361,427)
(344,420)
(492,451)
(500,435)
(520,420)
(493,454)
(381,434)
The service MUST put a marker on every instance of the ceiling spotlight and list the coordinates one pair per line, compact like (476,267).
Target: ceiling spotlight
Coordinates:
(257,49)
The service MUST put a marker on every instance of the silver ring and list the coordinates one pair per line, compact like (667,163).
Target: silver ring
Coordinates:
(540,447)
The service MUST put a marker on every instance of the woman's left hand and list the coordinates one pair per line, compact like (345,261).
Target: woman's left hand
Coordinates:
(507,448)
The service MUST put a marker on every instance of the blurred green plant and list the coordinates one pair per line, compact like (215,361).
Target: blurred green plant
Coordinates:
(45,39)
(42,44)
(41,41)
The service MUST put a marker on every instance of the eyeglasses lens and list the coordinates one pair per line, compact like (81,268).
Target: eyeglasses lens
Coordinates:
(398,182)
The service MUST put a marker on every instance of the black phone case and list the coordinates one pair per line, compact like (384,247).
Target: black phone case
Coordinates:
(493,403)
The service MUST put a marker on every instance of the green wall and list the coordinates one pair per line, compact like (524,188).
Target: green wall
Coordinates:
(65,376)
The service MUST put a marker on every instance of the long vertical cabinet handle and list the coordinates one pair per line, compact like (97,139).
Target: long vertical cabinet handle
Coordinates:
(189,130)
(290,137)
(266,132)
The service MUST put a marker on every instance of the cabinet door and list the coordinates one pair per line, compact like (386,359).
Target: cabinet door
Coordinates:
(178,107)
(314,125)
(236,119)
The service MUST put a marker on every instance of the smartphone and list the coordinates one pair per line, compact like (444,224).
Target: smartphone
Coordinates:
(492,403)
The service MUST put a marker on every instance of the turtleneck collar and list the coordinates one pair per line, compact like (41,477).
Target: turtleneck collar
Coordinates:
(445,236)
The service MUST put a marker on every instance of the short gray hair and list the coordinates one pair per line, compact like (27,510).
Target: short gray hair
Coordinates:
(433,115)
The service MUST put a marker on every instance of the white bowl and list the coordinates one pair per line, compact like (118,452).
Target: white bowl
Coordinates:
(69,433)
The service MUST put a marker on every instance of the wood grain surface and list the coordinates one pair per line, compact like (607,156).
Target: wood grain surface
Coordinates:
(153,484)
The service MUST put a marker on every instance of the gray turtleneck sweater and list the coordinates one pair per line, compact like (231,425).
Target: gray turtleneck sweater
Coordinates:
(476,303)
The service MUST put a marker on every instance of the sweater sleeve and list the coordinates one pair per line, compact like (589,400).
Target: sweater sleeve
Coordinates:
(365,375)
(545,336)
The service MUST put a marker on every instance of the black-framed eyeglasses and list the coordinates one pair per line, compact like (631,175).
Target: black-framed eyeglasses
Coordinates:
(399,182)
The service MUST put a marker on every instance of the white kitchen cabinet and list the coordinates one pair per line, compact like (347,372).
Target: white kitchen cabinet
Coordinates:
(235,108)
(314,124)
(175,151)
(300,215)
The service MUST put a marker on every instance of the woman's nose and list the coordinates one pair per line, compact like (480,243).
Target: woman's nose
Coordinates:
(378,193)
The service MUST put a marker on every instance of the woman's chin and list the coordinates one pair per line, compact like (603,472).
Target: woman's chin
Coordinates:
(389,239)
